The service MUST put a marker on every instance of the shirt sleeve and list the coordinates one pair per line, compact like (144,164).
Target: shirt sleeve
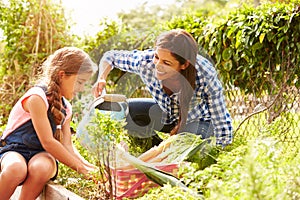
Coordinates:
(220,116)
(130,61)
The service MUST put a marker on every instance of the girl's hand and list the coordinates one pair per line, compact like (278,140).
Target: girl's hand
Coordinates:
(89,171)
(95,175)
(86,168)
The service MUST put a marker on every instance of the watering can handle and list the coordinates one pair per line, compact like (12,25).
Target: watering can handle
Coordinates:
(107,97)
(114,97)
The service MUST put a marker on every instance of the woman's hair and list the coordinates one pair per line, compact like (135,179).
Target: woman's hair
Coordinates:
(183,48)
(72,61)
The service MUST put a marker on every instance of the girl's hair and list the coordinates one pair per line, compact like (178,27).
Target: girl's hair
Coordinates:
(183,48)
(72,61)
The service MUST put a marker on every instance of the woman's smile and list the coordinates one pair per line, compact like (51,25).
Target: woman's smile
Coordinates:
(166,66)
(159,71)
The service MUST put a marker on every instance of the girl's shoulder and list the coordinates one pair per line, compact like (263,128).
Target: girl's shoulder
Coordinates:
(18,115)
(36,90)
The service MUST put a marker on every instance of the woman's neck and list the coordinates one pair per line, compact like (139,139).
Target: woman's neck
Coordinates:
(171,86)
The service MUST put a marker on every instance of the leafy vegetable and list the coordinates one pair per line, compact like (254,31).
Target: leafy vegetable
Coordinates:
(154,174)
(177,148)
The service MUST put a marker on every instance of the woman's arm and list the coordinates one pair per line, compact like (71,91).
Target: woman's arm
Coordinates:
(38,111)
(219,114)
(104,69)
(129,61)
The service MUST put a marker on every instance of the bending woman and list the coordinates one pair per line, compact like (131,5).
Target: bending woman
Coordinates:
(187,94)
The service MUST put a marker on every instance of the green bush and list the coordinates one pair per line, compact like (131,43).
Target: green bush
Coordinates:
(253,48)
(32,31)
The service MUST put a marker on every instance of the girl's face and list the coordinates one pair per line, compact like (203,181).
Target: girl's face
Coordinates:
(166,66)
(71,84)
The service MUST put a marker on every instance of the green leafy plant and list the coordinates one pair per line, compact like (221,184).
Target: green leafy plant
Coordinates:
(258,45)
(32,29)
(100,134)
(253,48)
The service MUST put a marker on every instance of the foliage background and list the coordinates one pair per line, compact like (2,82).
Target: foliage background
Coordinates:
(32,30)
(255,48)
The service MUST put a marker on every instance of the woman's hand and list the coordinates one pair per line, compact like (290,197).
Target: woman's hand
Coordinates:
(99,88)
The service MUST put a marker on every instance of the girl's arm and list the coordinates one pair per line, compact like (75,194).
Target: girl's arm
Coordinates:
(68,144)
(38,111)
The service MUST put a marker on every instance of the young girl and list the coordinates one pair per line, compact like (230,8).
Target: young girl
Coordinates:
(38,133)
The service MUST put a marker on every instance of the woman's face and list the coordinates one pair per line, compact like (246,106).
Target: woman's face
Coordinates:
(166,66)
(72,84)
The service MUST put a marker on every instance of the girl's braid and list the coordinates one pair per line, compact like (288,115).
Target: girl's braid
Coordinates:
(56,105)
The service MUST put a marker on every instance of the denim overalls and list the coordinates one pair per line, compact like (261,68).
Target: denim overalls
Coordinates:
(24,139)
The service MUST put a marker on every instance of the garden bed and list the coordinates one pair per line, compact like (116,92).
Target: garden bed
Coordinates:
(51,191)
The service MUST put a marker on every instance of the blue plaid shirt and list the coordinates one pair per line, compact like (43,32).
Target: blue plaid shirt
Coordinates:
(207,103)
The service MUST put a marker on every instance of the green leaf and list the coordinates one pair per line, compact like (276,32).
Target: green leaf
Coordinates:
(279,43)
(262,37)
(193,150)
(238,39)
(227,53)
(227,65)
(256,47)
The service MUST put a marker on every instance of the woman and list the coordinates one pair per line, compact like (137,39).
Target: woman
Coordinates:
(183,84)
(38,129)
